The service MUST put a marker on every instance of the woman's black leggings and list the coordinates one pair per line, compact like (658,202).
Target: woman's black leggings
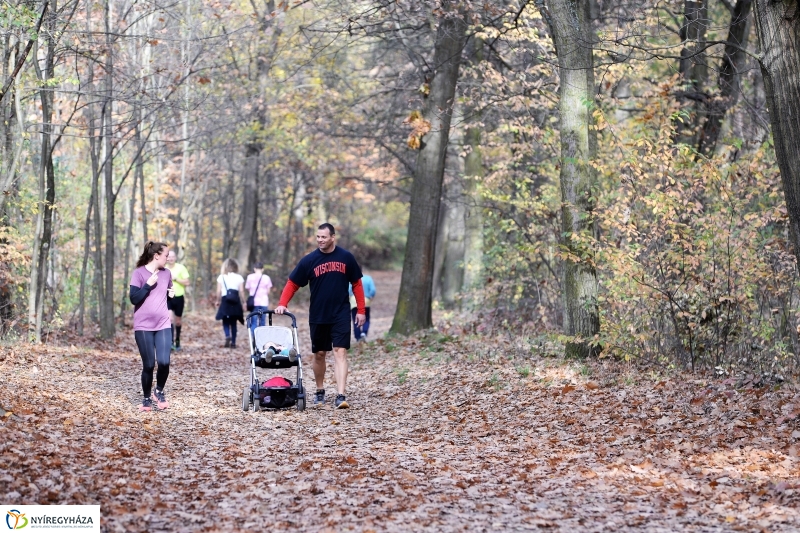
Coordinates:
(154,345)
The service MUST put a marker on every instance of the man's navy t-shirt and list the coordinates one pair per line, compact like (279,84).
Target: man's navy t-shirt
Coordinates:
(329,276)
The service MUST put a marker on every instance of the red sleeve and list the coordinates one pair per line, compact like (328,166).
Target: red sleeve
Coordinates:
(288,291)
(358,292)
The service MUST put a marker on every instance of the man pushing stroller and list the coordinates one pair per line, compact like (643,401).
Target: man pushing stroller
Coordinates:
(328,271)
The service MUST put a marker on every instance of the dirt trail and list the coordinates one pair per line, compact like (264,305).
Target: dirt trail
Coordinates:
(438,439)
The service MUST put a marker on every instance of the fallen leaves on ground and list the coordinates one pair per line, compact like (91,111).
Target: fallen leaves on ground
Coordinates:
(438,438)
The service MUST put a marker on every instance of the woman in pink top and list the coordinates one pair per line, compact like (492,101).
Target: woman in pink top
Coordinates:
(151,285)
(258,285)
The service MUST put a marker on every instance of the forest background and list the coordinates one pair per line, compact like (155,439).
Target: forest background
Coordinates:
(600,175)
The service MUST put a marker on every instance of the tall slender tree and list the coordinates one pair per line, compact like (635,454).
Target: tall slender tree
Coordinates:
(414,302)
(570,24)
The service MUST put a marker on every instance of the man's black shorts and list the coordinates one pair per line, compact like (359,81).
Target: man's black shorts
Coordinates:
(175,304)
(325,337)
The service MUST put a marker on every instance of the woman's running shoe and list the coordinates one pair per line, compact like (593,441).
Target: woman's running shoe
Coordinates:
(161,399)
(319,397)
(340,402)
(147,405)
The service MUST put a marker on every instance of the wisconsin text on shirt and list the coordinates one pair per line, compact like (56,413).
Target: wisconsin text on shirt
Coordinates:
(332,266)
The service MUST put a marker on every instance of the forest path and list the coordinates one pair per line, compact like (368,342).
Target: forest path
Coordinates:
(438,439)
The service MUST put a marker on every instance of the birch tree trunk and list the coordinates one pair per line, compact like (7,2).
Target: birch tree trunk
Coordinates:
(778,27)
(572,35)
(414,301)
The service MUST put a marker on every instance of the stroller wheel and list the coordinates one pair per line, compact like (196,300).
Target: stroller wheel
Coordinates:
(301,404)
(246,397)
(256,405)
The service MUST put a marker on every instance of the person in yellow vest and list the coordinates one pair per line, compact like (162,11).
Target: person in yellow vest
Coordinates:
(180,280)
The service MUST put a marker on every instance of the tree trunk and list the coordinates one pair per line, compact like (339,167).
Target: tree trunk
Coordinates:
(733,62)
(778,27)
(453,268)
(473,216)
(138,174)
(247,239)
(94,134)
(184,129)
(414,302)
(128,240)
(201,280)
(441,250)
(86,246)
(570,25)
(10,173)
(107,326)
(286,269)
(47,181)
(692,66)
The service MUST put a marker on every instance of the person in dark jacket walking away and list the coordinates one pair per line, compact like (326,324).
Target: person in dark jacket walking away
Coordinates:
(328,270)
(230,294)
(151,285)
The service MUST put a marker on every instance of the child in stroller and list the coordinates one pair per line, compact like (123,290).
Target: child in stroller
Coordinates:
(273,347)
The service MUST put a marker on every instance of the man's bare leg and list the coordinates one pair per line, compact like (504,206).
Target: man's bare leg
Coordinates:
(318,366)
(340,368)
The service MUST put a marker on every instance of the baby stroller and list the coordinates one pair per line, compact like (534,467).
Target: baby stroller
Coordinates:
(258,395)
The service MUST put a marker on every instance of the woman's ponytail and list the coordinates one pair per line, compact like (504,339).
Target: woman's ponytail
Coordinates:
(150,249)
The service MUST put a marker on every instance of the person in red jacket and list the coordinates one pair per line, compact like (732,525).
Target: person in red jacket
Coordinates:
(328,271)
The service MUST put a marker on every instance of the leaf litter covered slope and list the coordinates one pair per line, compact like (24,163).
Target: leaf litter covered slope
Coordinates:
(438,438)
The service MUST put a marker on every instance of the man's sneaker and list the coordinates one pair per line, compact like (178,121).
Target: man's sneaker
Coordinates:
(147,405)
(161,400)
(227,342)
(340,402)
(292,354)
(233,345)
(319,398)
(175,348)
(269,355)
(363,337)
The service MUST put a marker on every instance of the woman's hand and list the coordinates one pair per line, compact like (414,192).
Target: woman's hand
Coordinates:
(153,279)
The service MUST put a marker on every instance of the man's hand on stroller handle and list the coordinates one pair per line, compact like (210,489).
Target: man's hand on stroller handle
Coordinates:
(282,309)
